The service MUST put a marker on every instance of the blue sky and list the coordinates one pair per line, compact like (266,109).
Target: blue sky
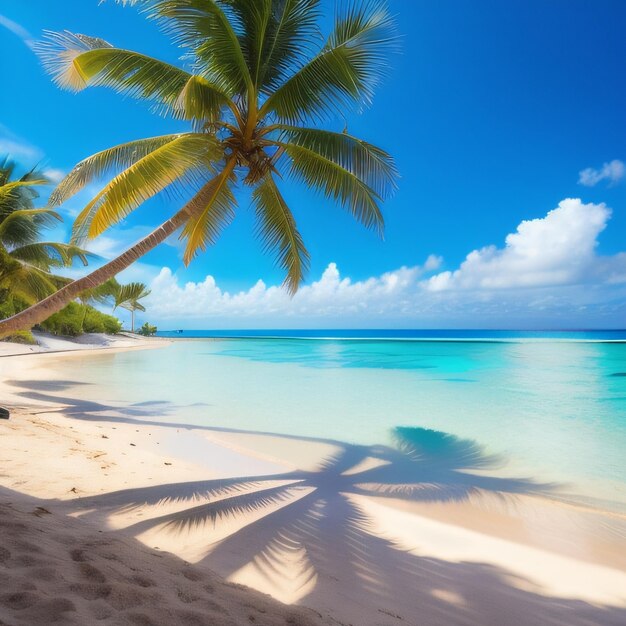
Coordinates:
(492,111)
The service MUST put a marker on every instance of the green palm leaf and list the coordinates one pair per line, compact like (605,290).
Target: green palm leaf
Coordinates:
(46,254)
(344,73)
(144,179)
(373,166)
(76,61)
(274,35)
(31,284)
(204,27)
(336,182)
(104,163)
(25,262)
(102,293)
(128,296)
(24,282)
(14,188)
(289,38)
(211,210)
(277,228)
(23,226)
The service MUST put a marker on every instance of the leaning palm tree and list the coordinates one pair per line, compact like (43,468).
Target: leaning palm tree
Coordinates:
(256,82)
(128,297)
(26,262)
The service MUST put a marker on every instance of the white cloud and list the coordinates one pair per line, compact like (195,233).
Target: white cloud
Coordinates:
(53,174)
(548,272)
(330,296)
(18,148)
(558,249)
(613,172)
(16,29)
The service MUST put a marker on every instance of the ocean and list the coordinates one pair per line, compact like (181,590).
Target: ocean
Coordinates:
(550,405)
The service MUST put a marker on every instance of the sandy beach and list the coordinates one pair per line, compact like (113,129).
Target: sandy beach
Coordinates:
(122,514)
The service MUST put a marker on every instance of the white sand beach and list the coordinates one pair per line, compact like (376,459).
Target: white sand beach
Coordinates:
(122,514)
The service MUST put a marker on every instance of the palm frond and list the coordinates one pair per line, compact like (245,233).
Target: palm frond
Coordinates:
(336,182)
(274,36)
(13,188)
(371,164)
(47,254)
(23,281)
(252,21)
(33,284)
(105,163)
(23,226)
(100,294)
(211,210)
(144,179)
(128,296)
(346,70)
(204,27)
(277,228)
(291,34)
(76,61)
(19,194)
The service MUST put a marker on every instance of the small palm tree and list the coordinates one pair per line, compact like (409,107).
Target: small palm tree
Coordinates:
(258,81)
(98,295)
(26,263)
(128,298)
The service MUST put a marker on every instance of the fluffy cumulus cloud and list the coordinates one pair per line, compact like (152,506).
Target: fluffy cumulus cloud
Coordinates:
(558,249)
(330,297)
(547,272)
(612,172)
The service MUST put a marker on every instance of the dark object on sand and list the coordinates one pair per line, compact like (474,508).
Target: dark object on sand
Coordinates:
(4,413)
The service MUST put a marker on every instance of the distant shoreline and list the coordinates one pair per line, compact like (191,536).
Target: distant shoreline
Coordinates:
(455,336)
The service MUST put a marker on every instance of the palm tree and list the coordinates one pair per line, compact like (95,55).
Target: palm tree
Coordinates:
(128,298)
(25,261)
(257,83)
(98,295)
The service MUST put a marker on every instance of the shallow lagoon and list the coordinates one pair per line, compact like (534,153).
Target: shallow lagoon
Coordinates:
(554,409)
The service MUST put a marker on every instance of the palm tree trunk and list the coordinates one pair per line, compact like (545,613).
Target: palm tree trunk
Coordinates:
(132,320)
(55,302)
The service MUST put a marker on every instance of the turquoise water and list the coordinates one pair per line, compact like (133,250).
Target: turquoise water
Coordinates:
(554,409)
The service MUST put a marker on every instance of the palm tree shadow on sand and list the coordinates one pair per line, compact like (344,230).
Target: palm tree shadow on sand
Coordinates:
(309,537)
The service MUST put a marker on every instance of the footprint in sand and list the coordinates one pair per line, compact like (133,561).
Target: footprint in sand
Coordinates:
(92,573)
(77,555)
(91,591)
(5,555)
(19,600)
(143,581)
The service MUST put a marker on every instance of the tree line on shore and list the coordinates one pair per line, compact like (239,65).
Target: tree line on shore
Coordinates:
(30,265)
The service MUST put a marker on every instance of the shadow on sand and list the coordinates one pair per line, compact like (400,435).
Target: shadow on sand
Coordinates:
(307,536)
